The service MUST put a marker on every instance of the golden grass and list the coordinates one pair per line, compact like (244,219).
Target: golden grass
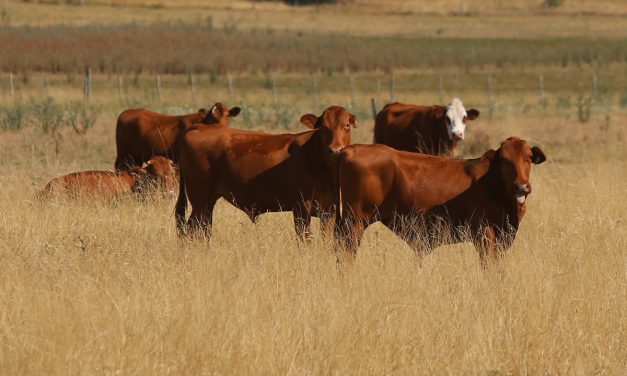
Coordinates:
(108,288)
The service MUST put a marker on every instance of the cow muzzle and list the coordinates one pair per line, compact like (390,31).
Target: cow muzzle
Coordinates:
(335,150)
(521,191)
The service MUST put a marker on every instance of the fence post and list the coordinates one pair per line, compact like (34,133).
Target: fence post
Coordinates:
(87,88)
(11,84)
(314,90)
(120,83)
(46,84)
(274,96)
(595,85)
(392,85)
(440,89)
(190,81)
(352,84)
(230,83)
(158,83)
(373,102)
(490,99)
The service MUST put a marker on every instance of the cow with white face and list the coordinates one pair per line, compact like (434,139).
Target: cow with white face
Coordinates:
(456,117)
(432,130)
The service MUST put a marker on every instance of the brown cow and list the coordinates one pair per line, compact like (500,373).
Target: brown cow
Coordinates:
(430,200)
(141,134)
(434,130)
(159,174)
(259,172)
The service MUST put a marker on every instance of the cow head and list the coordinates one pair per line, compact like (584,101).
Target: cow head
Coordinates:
(218,114)
(334,126)
(455,118)
(163,172)
(513,163)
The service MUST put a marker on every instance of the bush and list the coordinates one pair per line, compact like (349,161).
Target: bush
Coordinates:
(553,3)
(81,117)
(48,114)
(310,2)
(14,117)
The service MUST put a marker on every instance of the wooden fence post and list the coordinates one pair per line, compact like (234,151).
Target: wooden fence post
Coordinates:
(274,96)
(314,90)
(46,84)
(392,85)
(87,88)
(120,83)
(230,83)
(352,84)
(158,83)
(595,85)
(190,81)
(11,93)
(490,99)
(373,102)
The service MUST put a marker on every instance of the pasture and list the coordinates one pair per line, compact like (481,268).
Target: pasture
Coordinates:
(99,287)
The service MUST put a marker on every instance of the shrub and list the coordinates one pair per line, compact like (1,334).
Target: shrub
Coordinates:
(553,3)
(14,117)
(81,117)
(48,114)
(309,2)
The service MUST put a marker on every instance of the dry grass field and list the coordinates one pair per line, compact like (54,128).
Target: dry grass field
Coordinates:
(90,287)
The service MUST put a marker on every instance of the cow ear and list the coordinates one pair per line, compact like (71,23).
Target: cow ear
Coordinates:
(233,112)
(353,120)
(472,114)
(202,111)
(309,120)
(216,112)
(488,156)
(537,155)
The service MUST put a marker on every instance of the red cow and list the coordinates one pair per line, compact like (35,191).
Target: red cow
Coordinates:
(434,130)
(141,134)
(428,200)
(259,172)
(160,173)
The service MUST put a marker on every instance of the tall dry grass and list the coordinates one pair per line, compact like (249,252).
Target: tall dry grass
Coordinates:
(91,287)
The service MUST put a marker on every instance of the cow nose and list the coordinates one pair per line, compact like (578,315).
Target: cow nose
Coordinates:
(459,135)
(334,150)
(523,189)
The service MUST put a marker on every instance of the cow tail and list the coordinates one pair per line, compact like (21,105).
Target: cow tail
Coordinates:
(181,204)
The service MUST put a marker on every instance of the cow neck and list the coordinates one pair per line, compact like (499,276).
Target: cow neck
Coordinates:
(193,118)
(315,150)
(494,184)
(440,148)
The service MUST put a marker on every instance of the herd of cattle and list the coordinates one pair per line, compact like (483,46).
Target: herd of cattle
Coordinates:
(408,179)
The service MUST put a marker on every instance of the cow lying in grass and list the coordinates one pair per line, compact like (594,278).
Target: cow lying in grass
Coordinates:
(159,174)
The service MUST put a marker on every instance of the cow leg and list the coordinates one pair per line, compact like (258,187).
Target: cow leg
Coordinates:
(201,221)
(327,221)
(348,236)
(487,245)
(302,223)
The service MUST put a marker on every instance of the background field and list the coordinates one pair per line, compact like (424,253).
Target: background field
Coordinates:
(89,287)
